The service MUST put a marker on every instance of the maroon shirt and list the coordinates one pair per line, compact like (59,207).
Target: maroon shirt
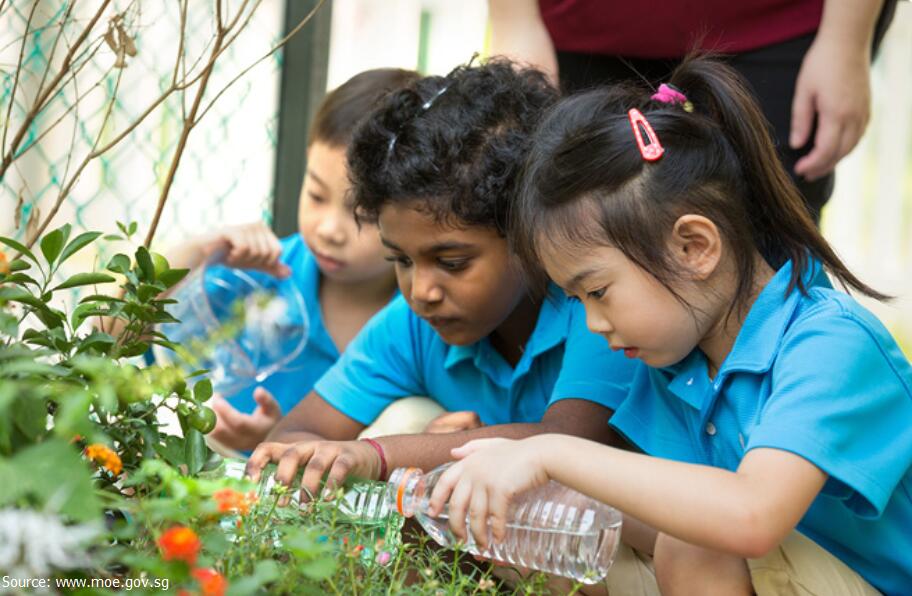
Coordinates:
(671,28)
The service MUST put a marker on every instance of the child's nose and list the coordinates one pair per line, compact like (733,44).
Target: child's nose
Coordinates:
(424,287)
(598,323)
(331,230)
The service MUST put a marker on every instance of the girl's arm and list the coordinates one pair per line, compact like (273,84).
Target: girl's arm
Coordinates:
(746,513)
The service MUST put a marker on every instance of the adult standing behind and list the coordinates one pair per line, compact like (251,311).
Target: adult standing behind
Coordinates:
(808,61)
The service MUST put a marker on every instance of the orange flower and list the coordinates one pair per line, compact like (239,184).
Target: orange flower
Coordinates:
(212,583)
(105,457)
(229,500)
(4,264)
(180,543)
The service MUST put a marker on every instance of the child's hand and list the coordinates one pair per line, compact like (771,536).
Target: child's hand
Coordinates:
(451,422)
(491,473)
(340,459)
(248,246)
(244,432)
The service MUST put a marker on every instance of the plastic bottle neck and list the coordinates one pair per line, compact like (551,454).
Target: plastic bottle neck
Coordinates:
(403,489)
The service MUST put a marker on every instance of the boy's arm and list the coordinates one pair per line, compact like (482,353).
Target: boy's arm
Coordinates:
(321,442)
(314,419)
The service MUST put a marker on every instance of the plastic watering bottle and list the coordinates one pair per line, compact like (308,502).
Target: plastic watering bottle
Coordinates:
(551,528)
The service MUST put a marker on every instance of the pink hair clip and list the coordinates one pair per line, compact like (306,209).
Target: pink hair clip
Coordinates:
(671,94)
(653,150)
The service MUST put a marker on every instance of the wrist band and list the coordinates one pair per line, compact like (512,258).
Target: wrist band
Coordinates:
(379,449)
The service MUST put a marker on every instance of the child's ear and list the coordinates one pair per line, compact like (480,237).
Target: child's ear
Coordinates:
(696,245)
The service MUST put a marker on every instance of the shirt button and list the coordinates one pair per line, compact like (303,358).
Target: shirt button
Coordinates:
(710,428)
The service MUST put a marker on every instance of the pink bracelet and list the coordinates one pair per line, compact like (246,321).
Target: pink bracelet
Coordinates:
(379,448)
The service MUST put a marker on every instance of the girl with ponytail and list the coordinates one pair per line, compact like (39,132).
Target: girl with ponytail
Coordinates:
(774,412)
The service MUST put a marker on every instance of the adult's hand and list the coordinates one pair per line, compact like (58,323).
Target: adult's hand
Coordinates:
(834,85)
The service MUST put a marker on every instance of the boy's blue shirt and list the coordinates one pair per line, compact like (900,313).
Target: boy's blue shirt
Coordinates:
(291,384)
(398,354)
(819,376)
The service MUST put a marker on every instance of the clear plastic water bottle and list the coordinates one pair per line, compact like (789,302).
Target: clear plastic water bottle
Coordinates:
(365,522)
(551,528)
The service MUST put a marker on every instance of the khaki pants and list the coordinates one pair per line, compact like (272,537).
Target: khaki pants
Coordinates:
(405,416)
(798,567)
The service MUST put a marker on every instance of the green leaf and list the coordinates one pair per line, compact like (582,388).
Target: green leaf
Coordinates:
(172,276)
(264,571)
(146,291)
(100,298)
(18,278)
(132,229)
(77,244)
(319,569)
(18,247)
(195,451)
(99,341)
(112,237)
(53,474)
(119,263)
(52,244)
(72,417)
(37,338)
(202,390)
(134,349)
(30,416)
(144,260)
(18,265)
(21,295)
(82,312)
(85,279)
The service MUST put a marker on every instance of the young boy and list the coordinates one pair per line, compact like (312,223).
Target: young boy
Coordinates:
(436,166)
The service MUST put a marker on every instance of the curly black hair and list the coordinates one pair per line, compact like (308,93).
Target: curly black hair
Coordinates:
(454,144)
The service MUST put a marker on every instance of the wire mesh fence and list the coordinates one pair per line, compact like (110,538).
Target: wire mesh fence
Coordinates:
(95,97)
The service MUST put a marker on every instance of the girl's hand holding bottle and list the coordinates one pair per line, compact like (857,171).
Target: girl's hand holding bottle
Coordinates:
(480,486)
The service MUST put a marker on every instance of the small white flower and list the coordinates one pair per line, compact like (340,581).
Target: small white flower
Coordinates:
(33,544)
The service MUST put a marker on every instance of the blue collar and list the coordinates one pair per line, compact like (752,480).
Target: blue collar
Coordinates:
(757,343)
(761,333)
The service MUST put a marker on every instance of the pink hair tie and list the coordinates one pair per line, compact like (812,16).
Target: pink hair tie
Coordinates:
(671,94)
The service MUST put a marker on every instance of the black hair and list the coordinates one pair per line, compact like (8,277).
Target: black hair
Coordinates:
(586,183)
(344,106)
(452,145)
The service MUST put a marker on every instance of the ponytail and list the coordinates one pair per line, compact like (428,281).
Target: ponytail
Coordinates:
(783,228)
(585,181)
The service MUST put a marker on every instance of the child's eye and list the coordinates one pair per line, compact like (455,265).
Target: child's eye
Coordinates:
(317,198)
(400,260)
(597,294)
(453,264)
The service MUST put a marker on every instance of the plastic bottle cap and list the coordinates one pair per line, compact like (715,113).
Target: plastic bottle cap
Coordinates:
(400,490)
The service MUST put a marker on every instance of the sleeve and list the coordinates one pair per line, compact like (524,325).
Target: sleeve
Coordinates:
(841,398)
(590,370)
(378,367)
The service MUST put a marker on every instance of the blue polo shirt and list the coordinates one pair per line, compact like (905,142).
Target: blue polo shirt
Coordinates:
(291,384)
(819,376)
(398,354)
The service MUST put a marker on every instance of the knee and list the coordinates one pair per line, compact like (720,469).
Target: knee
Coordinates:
(684,568)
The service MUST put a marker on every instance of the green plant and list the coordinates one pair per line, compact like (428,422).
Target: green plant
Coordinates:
(85,461)
(64,379)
